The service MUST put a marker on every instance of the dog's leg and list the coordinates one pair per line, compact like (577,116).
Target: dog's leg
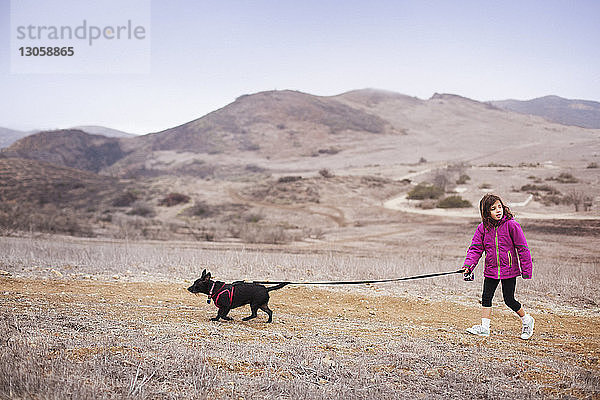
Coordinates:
(254,309)
(266,309)
(222,314)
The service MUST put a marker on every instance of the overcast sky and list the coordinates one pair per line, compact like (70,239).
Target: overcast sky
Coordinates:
(205,54)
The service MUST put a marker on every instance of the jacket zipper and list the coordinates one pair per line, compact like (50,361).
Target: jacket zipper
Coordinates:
(509,259)
(497,254)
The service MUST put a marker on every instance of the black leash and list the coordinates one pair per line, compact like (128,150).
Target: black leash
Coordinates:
(358,282)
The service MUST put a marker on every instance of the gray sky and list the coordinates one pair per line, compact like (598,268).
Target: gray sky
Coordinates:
(205,54)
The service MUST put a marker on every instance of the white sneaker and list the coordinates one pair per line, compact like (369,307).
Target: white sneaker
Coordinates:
(479,330)
(527,331)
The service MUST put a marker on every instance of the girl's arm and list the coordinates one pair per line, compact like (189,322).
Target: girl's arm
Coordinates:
(475,249)
(518,238)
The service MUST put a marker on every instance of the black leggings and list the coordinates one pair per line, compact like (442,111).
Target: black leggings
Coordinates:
(508,292)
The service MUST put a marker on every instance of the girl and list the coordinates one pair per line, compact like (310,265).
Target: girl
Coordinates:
(506,257)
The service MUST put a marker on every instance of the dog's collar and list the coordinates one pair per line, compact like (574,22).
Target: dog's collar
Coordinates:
(210,293)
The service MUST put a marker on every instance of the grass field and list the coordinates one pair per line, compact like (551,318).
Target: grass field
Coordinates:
(86,318)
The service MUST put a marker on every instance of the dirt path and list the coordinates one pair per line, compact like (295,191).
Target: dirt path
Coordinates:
(402,203)
(374,320)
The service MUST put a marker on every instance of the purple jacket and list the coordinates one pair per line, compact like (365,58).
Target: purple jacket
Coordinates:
(506,252)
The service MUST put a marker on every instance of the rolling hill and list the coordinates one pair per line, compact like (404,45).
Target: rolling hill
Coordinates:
(581,113)
(70,148)
(289,131)
(9,136)
(38,183)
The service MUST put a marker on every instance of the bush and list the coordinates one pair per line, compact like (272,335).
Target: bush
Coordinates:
(331,150)
(200,209)
(544,188)
(485,186)
(125,199)
(551,199)
(453,202)
(326,173)
(564,177)
(463,179)
(174,199)
(264,234)
(285,179)
(592,165)
(425,191)
(142,209)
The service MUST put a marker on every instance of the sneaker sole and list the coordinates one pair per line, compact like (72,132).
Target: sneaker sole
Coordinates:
(477,333)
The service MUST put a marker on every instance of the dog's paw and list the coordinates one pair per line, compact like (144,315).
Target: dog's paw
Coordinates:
(214,319)
(227,318)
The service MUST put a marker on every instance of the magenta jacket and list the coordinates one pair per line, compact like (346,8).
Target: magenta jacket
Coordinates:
(506,252)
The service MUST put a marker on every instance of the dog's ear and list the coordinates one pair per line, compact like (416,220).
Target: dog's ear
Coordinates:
(207,277)
(203,274)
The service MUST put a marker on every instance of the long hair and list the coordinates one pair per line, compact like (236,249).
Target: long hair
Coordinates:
(487,201)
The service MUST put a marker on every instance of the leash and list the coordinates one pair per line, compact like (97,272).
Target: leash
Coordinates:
(358,282)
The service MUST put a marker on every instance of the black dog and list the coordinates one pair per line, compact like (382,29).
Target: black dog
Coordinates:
(228,296)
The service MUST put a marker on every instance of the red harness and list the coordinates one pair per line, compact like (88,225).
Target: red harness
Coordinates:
(215,297)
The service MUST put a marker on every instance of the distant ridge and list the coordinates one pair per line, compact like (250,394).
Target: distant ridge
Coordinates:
(9,136)
(289,131)
(68,147)
(104,131)
(583,113)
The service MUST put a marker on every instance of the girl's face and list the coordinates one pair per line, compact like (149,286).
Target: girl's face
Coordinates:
(497,211)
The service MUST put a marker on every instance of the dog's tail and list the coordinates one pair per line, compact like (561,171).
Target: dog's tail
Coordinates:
(277,286)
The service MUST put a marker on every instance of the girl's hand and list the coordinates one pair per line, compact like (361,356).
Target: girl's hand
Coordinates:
(468,275)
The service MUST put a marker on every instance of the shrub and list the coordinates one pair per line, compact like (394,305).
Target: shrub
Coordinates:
(485,186)
(326,173)
(564,177)
(453,202)
(331,150)
(174,199)
(592,165)
(253,218)
(578,198)
(425,191)
(142,209)
(544,188)
(462,179)
(264,234)
(254,168)
(199,209)
(551,199)
(442,179)
(285,179)
(125,199)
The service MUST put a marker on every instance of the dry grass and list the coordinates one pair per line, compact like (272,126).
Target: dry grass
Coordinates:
(143,340)
(103,319)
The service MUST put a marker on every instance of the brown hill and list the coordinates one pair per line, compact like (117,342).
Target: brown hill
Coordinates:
(38,183)
(289,132)
(276,123)
(582,113)
(71,148)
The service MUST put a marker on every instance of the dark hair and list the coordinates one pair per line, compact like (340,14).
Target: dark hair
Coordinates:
(487,201)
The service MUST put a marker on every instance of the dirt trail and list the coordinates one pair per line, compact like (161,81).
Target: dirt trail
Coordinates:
(403,204)
(368,315)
